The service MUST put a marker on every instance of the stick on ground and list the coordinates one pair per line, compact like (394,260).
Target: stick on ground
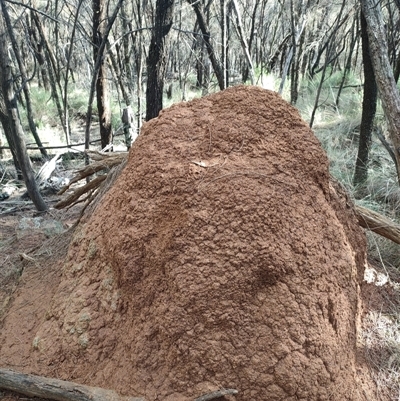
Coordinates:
(54,389)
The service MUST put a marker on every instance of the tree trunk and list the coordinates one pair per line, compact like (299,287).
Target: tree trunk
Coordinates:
(368,110)
(14,122)
(5,122)
(99,26)
(24,77)
(67,70)
(243,40)
(52,71)
(38,48)
(126,57)
(96,68)
(224,47)
(295,35)
(54,389)
(219,73)
(156,58)
(386,83)
(252,36)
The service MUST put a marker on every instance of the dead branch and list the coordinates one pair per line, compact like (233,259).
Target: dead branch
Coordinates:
(61,390)
(103,161)
(91,185)
(54,389)
(96,155)
(377,223)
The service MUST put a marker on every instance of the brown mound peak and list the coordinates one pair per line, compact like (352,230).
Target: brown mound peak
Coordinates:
(221,258)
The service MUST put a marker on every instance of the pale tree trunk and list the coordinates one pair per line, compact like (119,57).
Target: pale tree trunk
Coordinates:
(243,40)
(384,76)
(14,122)
(24,77)
(224,47)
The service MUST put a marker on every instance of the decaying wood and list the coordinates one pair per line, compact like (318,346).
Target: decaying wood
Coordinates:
(54,389)
(103,161)
(74,197)
(47,169)
(377,223)
(61,390)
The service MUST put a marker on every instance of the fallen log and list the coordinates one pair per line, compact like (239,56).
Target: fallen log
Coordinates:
(54,389)
(377,223)
(61,390)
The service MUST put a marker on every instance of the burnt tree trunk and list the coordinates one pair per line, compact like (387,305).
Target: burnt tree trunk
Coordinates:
(384,77)
(99,27)
(156,58)
(218,70)
(96,69)
(368,110)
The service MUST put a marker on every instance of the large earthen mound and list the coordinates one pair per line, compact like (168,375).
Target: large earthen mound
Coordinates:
(222,257)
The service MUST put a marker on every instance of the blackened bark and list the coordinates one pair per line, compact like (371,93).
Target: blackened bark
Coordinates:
(388,91)
(156,57)
(219,73)
(99,26)
(251,38)
(368,110)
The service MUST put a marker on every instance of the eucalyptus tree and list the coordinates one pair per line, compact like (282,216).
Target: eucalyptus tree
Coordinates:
(24,77)
(198,7)
(156,64)
(102,93)
(388,91)
(13,121)
(370,95)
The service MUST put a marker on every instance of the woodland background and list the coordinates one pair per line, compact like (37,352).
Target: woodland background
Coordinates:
(79,74)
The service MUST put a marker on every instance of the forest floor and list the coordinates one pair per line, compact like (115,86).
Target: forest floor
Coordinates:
(27,236)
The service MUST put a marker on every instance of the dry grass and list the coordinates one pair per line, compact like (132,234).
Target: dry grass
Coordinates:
(338,131)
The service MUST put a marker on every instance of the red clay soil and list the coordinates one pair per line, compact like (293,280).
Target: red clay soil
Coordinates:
(222,257)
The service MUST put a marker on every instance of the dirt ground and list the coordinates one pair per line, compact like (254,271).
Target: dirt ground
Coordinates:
(224,258)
